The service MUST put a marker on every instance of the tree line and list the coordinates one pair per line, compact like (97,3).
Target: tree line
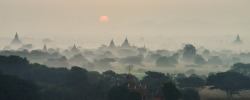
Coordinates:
(21,80)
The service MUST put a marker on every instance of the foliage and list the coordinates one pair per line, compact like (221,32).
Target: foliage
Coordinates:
(122,93)
(198,59)
(170,91)
(153,81)
(166,62)
(189,52)
(132,60)
(241,68)
(191,82)
(190,94)
(14,88)
(229,82)
(215,60)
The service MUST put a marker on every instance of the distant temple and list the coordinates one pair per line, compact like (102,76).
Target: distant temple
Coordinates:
(45,48)
(125,44)
(74,49)
(132,86)
(238,40)
(16,41)
(112,44)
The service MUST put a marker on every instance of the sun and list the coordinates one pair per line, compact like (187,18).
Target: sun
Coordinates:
(104,19)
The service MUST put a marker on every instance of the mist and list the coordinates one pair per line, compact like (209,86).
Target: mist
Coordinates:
(64,49)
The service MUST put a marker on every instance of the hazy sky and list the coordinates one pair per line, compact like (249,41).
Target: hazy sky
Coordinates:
(80,18)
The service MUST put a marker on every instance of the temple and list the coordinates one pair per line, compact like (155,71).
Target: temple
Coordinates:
(16,41)
(132,86)
(125,44)
(74,49)
(112,44)
(45,48)
(238,40)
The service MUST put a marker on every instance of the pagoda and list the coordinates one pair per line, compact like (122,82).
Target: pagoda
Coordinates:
(112,44)
(45,48)
(132,86)
(16,41)
(125,44)
(74,49)
(238,40)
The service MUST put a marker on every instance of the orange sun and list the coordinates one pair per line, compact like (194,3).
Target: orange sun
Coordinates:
(104,19)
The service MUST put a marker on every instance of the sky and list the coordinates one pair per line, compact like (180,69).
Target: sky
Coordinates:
(137,19)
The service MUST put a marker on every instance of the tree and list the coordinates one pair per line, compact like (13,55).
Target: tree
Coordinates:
(117,93)
(181,75)
(241,68)
(14,88)
(198,59)
(229,82)
(166,62)
(122,93)
(142,50)
(170,91)
(215,60)
(190,94)
(189,52)
(176,56)
(191,82)
(206,52)
(77,80)
(14,65)
(133,95)
(132,60)
(153,81)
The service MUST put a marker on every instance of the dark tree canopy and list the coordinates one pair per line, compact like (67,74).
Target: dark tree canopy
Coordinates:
(117,93)
(14,88)
(191,82)
(241,68)
(189,52)
(215,60)
(122,93)
(190,94)
(153,81)
(229,82)
(166,62)
(176,56)
(170,91)
(198,59)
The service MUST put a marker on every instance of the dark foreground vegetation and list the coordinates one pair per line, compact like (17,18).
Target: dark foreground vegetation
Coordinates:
(21,80)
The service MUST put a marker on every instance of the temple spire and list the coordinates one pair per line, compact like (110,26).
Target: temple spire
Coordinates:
(45,48)
(238,40)
(74,46)
(75,50)
(112,44)
(125,44)
(16,36)
(16,41)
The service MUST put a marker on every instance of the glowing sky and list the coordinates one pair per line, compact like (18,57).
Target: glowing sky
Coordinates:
(69,18)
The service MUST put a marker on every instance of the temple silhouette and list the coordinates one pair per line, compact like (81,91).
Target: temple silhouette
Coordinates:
(74,49)
(112,44)
(238,40)
(124,45)
(45,48)
(132,86)
(16,41)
